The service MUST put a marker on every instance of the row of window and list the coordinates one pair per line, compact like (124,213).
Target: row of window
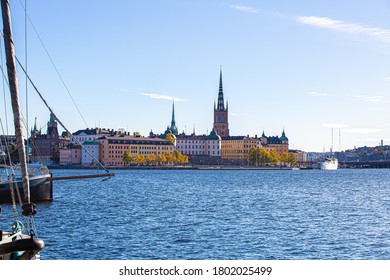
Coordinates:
(195,141)
(195,147)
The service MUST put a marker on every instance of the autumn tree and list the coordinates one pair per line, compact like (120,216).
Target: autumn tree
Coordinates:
(139,159)
(127,158)
(151,159)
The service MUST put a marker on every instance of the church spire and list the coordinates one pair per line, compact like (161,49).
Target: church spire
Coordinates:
(173,127)
(221,105)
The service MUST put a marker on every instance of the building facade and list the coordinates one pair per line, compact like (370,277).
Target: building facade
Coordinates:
(278,144)
(90,134)
(221,122)
(45,147)
(204,149)
(91,153)
(112,148)
(235,149)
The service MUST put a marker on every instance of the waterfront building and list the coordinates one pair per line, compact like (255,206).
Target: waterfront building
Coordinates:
(45,147)
(91,152)
(201,149)
(71,155)
(90,134)
(221,124)
(236,148)
(300,155)
(112,148)
(279,144)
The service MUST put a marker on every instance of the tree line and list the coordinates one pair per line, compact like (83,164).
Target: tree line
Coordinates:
(166,158)
(260,156)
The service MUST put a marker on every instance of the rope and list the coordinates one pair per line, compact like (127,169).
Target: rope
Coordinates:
(4,78)
(12,182)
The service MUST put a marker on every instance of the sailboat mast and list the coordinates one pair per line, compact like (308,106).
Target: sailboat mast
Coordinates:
(13,85)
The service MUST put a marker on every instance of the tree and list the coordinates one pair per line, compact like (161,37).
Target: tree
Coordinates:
(151,159)
(253,156)
(139,159)
(284,158)
(170,138)
(127,158)
(274,157)
(292,159)
(162,159)
(264,156)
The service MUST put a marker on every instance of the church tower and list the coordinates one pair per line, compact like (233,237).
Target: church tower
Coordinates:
(221,125)
(173,126)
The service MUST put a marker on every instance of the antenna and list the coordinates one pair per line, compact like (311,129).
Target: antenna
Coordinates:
(339,140)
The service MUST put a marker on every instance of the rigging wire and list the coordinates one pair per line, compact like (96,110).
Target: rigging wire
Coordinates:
(54,65)
(13,184)
(26,62)
(55,117)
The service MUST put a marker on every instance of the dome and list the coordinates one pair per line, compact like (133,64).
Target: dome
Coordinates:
(213,136)
(283,137)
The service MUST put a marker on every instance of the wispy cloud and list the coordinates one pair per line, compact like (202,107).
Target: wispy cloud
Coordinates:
(387,79)
(318,94)
(361,130)
(162,95)
(371,99)
(244,9)
(342,26)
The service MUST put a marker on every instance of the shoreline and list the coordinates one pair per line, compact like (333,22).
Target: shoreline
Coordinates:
(196,167)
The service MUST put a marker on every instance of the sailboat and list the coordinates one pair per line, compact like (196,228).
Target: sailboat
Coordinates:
(330,162)
(16,244)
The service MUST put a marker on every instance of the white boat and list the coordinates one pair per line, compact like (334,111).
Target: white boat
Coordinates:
(330,163)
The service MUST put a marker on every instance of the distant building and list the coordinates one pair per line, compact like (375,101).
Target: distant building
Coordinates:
(112,148)
(235,149)
(90,134)
(45,147)
(279,144)
(201,149)
(71,155)
(91,152)
(221,123)
(300,155)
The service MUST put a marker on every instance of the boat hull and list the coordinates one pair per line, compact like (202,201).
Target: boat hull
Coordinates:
(330,165)
(22,247)
(41,190)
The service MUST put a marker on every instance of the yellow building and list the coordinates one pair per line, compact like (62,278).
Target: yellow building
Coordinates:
(112,148)
(236,148)
(279,144)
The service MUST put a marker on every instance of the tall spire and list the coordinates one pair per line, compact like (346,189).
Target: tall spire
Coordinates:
(221,105)
(173,127)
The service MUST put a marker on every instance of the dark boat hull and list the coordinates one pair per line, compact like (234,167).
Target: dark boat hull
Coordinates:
(41,190)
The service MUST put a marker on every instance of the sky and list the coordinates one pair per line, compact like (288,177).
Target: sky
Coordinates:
(308,67)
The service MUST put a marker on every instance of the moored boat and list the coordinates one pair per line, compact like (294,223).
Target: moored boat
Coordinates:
(330,163)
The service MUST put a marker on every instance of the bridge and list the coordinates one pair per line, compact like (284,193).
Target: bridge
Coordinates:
(365,164)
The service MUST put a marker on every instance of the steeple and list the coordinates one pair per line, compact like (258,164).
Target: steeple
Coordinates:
(221,105)
(221,124)
(173,127)
(35,130)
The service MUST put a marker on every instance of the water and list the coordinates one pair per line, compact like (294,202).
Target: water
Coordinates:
(217,214)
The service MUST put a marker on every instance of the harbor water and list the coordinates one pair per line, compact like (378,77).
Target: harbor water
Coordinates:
(217,214)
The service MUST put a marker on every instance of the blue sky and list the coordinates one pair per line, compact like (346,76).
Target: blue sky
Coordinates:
(305,66)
